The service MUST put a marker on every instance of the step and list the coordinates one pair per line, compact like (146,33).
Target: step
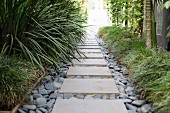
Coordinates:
(90,62)
(89,86)
(88,44)
(88,47)
(91,71)
(90,50)
(91,56)
(89,106)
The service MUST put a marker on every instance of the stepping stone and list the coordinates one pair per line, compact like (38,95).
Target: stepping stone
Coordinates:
(88,44)
(90,56)
(92,71)
(90,62)
(90,50)
(89,86)
(89,47)
(90,41)
(89,106)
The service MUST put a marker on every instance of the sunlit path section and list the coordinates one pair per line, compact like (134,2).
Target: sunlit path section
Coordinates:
(98,15)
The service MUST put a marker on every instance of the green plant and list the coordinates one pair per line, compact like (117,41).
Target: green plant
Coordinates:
(127,13)
(15,78)
(149,68)
(43,31)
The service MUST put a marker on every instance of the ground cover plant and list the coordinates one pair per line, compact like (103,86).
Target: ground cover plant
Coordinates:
(149,68)
(17,77)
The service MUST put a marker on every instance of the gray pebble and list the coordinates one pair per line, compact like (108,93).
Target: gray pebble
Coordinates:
(61,79)
(42,110)
(51,103)
(88,97)
(21,111)
(41,101)
(37,96)
(126,100)
(60,95)
(32,111)
(38,111)
(131,111)
(53,95)
(34,91)
(41,87)
(42,106)
(138,102)
(67,96)
(49,86)
(145,108)
(98,96)
(132,98)
(80,96)
(30,107)
(43,91)
(57,85)
(131,107)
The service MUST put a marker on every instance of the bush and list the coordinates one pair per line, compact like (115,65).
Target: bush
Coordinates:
(43,31)
(149,68)
(15,78)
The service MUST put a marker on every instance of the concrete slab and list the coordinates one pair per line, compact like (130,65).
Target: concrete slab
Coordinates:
(93,71)
(85,44)
(91,56)
(89,47)
(90,50)
(89,106)
(89,86)
(90,41)
(90,62)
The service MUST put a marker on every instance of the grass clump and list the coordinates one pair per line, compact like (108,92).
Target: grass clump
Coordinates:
(42,31)
(149,68)
(17,77)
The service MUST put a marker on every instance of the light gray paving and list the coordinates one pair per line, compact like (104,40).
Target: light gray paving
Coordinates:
(89,86)
(93,71)
(90,56)
(89,106)
(90,50)
(90,62)
(89,47)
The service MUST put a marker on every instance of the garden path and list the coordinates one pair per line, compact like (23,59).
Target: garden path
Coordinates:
(89,77)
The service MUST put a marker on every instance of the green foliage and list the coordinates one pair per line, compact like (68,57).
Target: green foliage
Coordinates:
(41,30)
(121,39)
(14,84)
(149,68)
(127,13)
(167,4)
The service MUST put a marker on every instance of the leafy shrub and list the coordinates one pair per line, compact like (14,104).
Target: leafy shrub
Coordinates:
(41,30)
(149,68)
(15,77)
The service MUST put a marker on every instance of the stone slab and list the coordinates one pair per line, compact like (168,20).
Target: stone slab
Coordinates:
(90,62)
(94,71)
(89,106)
(89,86)
(90,56)
(88,44)
(89,47)
(93,42)
(90,50)
(90,41)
